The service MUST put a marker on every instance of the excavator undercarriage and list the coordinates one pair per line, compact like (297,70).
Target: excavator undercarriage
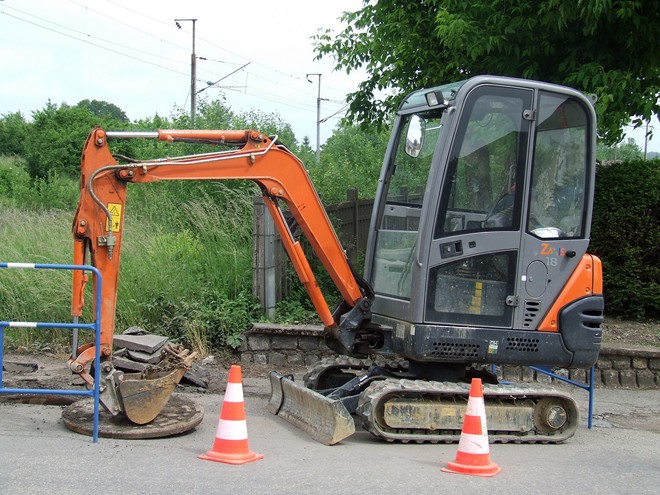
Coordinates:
(391,404)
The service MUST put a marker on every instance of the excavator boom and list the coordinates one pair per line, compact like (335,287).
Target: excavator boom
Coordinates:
(98,227)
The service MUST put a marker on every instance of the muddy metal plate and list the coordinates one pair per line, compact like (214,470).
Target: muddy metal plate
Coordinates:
(325,420)
(439,414)
(179,415)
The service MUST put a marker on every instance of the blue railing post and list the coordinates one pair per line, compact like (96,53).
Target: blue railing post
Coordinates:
(589,387)
(96,327)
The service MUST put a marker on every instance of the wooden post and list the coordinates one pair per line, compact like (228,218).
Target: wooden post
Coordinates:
(352,197)
(264,269)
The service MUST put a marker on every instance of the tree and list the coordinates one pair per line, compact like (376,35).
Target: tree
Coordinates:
(305,152)
(606,47)
(56,137)
(13,131)
(627,151)
(351,157)
(103,109)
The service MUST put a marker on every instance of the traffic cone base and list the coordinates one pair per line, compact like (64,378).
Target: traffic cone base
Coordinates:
(244,458)
(487,470)
(473,456)
(231,439)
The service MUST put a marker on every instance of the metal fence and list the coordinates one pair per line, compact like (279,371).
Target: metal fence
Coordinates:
(271,271)
(95,326)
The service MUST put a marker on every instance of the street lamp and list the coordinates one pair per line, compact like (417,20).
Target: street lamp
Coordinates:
(318,118)
(193,70)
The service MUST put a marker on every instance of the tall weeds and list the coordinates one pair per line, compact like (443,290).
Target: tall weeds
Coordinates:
(186,262)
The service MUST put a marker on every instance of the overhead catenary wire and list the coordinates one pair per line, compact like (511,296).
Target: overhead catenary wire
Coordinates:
(273,85)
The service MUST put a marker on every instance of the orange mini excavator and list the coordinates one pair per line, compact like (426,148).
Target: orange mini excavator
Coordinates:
(477,256)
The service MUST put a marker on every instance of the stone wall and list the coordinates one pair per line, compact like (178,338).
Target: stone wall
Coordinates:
(302,345)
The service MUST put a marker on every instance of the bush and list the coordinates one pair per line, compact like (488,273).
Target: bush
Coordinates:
(626,236)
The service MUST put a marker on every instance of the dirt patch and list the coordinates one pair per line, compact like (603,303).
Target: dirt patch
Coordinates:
(52,371)
(631,332)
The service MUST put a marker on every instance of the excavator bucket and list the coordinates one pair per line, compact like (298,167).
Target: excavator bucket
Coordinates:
(144,399)
(325,420)
(145,394)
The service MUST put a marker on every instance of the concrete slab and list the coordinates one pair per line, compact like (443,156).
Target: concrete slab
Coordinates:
(146,343)
(144,357)
(15,367)
(125,364)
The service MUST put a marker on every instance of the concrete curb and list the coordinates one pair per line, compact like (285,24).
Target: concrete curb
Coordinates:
(618,366)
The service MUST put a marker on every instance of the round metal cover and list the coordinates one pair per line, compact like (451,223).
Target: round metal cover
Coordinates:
(537,279)
(179,415)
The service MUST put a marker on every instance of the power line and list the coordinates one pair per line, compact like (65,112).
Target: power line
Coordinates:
(91,37)
(256,63)
(139,30)
(256,90)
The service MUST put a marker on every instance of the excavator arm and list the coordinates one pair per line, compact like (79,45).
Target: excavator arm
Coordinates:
(98,225)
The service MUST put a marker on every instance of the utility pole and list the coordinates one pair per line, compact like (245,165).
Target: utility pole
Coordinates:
(193,71)
(318,119)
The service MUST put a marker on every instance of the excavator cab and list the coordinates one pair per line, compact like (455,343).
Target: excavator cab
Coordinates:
(482,218)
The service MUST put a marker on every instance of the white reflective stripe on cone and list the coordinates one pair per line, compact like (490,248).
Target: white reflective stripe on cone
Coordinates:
(475,406)
(234,392)
(473,444)
(232,430)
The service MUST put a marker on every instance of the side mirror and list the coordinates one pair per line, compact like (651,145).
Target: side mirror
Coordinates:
(415,136)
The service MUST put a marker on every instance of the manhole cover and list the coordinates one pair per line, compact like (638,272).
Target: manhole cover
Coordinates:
(178,416)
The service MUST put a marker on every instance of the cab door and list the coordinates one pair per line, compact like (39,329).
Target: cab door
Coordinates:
(473,257)
(559,203)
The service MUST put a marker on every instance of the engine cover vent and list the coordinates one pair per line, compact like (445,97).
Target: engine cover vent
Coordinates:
(522,344)
(456,350)
(532,309)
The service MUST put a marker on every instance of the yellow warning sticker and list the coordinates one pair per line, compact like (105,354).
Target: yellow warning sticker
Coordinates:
(115,212)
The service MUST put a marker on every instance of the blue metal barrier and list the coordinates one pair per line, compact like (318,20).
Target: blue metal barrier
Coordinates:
(589,387)
(96,326)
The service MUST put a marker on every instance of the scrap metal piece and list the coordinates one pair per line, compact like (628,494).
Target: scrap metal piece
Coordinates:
(179,415)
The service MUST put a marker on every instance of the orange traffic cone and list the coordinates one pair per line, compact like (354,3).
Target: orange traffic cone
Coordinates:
(473,456)
(231,440)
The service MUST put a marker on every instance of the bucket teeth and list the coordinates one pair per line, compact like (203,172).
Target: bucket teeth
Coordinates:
(326,420)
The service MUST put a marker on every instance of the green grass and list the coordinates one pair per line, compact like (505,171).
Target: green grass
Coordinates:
(185,268)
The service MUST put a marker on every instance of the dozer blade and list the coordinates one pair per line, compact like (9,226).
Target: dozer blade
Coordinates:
(144,399)
(325,420)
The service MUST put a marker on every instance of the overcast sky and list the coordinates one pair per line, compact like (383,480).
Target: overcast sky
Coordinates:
(132,54)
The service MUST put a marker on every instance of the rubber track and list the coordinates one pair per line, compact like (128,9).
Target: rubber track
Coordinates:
(378,392)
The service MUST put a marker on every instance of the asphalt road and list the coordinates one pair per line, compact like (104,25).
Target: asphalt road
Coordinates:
(39,455)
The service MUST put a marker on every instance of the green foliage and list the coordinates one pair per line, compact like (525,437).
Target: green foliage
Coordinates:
(186,264)
(104,110)
(626,236)
(13,133)
(305,152)
(17,189)
(218,321)
(13,178)
(56,135)
(351,157)
(621,151)
(606,47)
